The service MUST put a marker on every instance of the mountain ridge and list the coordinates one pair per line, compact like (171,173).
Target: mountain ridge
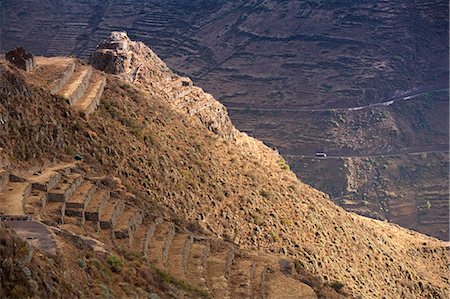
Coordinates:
(301,54)
(221,186)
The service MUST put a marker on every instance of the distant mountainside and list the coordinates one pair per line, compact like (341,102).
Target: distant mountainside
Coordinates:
(281,67)
(288,53)
(166,197)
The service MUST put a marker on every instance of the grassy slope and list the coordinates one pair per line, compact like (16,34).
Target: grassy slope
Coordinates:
(241,192)
(77,271)
(417,125)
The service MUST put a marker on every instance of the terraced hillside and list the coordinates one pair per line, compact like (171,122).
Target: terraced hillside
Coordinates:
(65,197)
(205,178)
(376,156)
(77,82)
(263,53)
(259,55)
(413,125)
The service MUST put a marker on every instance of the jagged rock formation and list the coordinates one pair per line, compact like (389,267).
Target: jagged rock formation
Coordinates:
(121,56)
(228,188)
(137,63)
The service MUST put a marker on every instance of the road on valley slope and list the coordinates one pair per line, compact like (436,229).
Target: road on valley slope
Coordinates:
(442,150)
(402,98)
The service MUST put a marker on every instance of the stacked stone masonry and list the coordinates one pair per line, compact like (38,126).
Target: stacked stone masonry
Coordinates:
(66,197)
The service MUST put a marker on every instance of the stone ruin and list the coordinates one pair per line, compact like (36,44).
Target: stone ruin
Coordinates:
(21,59)
(117,41)
(112,56)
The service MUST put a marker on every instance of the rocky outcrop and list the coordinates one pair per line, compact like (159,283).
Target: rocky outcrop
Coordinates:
(120,56)
(137,63)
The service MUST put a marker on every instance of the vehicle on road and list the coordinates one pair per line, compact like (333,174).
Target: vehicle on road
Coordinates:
(321,155)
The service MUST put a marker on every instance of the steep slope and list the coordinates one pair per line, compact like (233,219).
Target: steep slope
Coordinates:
(257,55)
(66,202)
(78,270)
(222,184)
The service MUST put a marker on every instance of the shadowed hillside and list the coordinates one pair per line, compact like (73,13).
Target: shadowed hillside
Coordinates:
(177,170)
(269,53)
(258,57)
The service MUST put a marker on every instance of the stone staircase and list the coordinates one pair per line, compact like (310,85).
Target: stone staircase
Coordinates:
(64,196)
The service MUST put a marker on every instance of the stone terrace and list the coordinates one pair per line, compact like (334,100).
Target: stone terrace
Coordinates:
(64,197)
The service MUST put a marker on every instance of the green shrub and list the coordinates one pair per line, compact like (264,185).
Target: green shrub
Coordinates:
(169,278)
(82,263)
(20,291)
(115,263)
(337,285)
(257,219)
(125,86)
(283,164)
(265,194)
(106,292)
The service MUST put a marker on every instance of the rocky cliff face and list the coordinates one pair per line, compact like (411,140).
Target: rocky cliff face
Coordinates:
(137,63)
(120,56)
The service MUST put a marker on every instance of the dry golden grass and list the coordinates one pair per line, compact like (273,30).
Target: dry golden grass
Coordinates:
(234,188)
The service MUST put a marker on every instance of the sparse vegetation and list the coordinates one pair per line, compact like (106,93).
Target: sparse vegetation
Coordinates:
(169,278)
(125,86)
(337,285)
(115,263)
(284,165)
(266,194)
